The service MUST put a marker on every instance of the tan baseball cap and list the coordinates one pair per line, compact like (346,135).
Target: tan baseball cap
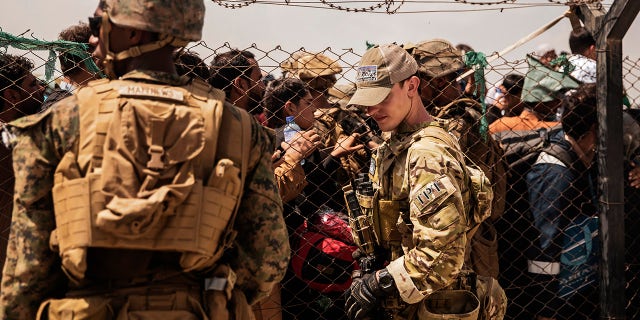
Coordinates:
(437,57)
(379,69)
(307,65)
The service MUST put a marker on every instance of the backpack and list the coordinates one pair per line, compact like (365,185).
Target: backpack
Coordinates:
(465,115)
(156,168)
(522,148)
(465,123)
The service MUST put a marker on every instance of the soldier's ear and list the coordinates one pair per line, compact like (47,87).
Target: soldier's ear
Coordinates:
(412,85)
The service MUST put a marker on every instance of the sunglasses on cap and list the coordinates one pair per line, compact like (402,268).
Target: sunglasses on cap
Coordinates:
(94,25)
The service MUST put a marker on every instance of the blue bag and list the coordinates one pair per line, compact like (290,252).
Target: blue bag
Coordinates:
(580,256)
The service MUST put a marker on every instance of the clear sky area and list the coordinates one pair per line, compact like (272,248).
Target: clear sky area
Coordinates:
(312,24)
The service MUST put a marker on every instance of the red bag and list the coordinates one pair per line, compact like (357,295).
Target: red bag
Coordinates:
(323,263)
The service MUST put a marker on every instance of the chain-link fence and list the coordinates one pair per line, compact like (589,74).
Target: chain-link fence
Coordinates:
(544,210)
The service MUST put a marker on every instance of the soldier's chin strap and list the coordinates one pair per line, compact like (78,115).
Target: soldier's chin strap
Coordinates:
(112,57)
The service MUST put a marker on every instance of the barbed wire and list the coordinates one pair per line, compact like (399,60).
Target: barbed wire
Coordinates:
(485,3)
(386,6)
(239,5)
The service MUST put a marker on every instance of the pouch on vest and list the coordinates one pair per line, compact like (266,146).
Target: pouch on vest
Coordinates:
(481,194)
(482,255)
(388,214)
(89,308)
(450,304)
(135,180)
(175,306)
(493,300)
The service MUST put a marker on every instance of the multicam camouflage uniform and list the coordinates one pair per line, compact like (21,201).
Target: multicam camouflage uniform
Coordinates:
(423,177)
(33,273)
(439,59)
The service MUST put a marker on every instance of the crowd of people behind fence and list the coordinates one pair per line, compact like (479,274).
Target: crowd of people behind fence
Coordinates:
(474,200)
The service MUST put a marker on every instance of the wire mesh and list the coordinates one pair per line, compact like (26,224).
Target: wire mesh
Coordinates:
(316,214)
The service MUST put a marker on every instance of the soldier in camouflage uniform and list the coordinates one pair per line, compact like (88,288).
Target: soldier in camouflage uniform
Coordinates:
(135,39)
(22,94)
(421,193)
(333,122)
(438,62)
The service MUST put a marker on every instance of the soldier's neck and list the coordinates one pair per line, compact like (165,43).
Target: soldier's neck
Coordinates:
(159,60)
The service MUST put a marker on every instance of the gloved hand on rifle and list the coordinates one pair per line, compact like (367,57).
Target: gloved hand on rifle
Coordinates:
(366,291)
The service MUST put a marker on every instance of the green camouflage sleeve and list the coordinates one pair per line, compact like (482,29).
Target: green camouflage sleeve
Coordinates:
(435,182)
(32,272)
(262,244)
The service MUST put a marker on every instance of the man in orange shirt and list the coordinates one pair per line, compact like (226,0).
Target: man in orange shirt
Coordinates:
(542,95)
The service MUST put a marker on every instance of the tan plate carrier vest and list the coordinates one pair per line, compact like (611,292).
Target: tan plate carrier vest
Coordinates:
(135,179)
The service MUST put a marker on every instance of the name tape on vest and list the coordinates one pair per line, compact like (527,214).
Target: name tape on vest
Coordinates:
(143,91)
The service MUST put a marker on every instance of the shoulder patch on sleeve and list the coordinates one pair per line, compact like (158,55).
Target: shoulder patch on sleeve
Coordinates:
(433,193)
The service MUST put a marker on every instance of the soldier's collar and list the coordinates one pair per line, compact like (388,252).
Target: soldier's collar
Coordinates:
(404,135)
(405,129)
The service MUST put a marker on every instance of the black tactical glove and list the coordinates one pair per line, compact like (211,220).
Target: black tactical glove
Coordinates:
(364,293)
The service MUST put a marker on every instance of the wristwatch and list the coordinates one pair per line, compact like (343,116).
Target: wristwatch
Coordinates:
(386,282)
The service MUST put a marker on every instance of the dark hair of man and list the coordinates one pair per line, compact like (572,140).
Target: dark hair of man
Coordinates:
(580,111)
(513,83)
(12,71)
(190,64)
(580,40)
(277,93)
(228,66)
(80,33)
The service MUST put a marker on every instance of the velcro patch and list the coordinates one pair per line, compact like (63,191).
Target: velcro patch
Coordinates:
(367,73)
(144,91)
(372,167)
(432,193)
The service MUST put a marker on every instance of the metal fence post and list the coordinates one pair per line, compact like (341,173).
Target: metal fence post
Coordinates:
(608,32)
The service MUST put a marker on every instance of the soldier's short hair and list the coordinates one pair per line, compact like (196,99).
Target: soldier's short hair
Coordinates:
(189,63)
(79,33)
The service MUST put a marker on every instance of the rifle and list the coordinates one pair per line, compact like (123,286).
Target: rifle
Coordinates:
(361,223)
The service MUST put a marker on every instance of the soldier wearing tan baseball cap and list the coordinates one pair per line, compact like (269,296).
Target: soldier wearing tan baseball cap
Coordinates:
(379,69)
(437,187)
